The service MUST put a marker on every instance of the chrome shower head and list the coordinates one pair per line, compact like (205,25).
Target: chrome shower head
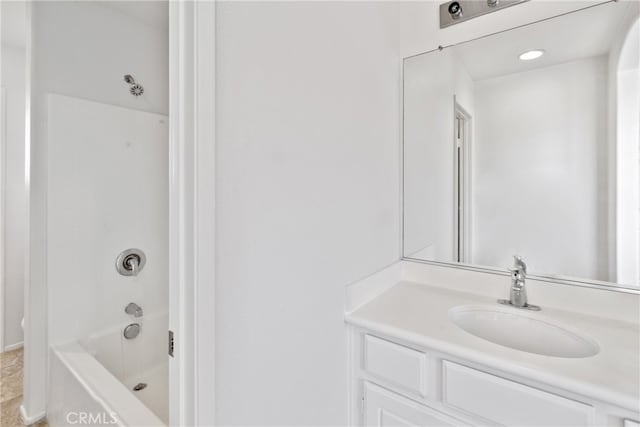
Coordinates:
(136,89)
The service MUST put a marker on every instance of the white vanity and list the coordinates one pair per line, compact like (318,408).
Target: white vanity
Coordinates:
(412,365)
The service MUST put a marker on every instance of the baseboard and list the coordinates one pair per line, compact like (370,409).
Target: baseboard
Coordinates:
(29,420)
(13,346)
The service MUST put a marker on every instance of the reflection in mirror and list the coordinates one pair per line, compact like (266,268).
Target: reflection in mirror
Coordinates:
(13,195)
(527,142)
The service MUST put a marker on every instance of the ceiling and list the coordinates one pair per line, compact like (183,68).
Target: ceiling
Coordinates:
(583,34)
(154,13)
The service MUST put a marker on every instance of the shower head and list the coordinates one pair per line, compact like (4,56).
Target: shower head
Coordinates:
(135,89)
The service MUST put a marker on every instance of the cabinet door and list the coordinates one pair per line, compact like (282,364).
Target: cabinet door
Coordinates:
(385,408)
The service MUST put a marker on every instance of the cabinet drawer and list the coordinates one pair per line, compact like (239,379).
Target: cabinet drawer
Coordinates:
(507,402)
(396,364)
(384,408)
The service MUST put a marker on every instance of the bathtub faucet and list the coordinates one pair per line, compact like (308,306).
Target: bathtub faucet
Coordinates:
(133,309)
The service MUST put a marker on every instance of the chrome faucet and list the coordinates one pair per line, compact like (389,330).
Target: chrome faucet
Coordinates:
(133,309)
(518,291)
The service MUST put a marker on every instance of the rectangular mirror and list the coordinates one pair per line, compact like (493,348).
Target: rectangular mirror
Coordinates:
(528,142)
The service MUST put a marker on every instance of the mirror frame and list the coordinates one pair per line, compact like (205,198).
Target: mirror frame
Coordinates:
(559,279)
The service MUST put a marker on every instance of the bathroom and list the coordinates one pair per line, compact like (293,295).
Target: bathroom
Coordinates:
(306,213)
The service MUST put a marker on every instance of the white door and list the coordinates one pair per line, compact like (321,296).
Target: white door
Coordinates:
(385,408)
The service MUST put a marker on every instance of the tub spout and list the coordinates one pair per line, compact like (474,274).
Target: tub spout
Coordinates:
(133,309)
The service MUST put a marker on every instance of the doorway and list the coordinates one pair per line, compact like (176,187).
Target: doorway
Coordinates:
(462,184)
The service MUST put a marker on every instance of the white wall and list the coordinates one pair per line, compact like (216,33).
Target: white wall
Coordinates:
(308,116)
(538,184)
(107,192)
(80,49)
(13,81)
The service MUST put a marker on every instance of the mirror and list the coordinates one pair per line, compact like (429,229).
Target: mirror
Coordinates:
(527,142)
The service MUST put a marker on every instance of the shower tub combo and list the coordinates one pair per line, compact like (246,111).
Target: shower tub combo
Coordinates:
(108,362)
(110,380)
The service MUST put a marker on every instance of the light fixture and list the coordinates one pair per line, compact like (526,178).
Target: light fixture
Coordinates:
(531,54)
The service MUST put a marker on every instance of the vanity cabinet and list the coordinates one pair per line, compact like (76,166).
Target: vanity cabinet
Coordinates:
(398,384)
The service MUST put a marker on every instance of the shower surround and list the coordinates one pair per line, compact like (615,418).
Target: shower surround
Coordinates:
(107,192)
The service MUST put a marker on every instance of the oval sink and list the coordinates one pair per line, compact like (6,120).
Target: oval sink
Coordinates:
(523,331)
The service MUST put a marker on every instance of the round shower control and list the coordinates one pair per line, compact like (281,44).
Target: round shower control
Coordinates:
(130,262)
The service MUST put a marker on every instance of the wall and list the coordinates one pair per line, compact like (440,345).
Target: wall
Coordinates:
(308,116)
(81,49)
(108,171)
(534,185)
(13,80)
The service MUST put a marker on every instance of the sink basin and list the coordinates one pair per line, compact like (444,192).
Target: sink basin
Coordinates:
(523,331)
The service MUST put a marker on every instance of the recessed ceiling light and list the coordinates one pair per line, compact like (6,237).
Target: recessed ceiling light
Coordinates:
(531,54)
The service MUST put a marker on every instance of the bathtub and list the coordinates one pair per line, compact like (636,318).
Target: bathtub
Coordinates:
(92,380)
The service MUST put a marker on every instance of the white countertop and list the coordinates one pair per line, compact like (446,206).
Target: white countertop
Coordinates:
(418,314)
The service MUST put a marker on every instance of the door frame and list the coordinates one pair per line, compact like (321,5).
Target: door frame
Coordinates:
(3,145)
(462,223)
(192,211)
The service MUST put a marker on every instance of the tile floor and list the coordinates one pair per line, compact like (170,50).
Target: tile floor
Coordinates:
(11,363)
